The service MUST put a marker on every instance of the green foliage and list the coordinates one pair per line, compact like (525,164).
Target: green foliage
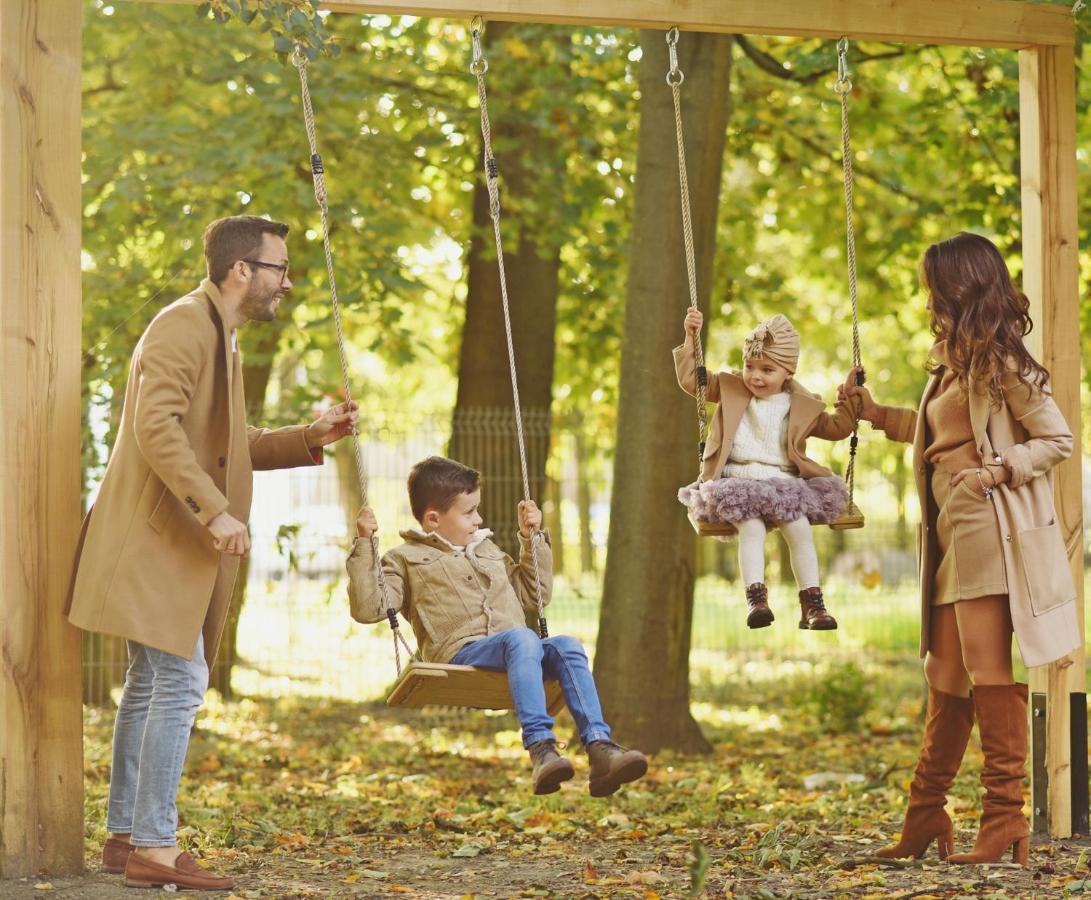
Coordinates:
(841,698)
(173,138)
(698,869)
(291,23)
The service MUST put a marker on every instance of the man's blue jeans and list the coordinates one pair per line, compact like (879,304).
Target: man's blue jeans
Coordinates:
(526,658)
(151,735)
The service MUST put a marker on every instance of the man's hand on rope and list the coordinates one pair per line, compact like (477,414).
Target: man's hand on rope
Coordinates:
(366,523)
(530,517)
(229,535)
(335,423)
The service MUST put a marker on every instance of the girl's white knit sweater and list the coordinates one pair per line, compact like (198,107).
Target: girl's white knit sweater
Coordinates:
(760,449)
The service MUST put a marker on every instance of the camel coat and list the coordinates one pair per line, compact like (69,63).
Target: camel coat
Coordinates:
(145,566)
(450,599)
(807,417)
(1029,435)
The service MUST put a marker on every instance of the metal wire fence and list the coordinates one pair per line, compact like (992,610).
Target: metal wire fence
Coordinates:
(295,636)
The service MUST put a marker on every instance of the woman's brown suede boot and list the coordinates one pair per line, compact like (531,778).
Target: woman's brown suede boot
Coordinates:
(1002,723)
(946,732)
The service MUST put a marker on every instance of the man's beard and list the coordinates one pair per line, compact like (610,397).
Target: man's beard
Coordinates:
(258,304)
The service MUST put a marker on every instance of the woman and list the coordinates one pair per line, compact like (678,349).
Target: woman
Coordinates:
(992,557)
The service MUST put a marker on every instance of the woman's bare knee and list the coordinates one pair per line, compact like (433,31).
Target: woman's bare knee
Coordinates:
(947,674)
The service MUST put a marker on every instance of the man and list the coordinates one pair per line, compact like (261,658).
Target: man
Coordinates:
(160,549)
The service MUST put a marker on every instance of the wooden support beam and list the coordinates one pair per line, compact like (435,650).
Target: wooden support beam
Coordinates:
(41,754)
(1047,120)
(976,23)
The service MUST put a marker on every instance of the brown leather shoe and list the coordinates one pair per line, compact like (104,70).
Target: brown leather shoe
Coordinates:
(612,766)
(812,611)
(115,853)
(143,873)
(757,599)
(550,768)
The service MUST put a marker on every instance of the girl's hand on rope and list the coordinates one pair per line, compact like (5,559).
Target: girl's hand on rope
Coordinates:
(694,321)
(530,517)
(229,535)
(858,395)
(334,424)
(366,523)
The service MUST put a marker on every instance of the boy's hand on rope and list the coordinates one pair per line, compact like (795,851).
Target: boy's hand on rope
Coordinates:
(366,523)
(334,424)
(530,517)
(694,321)
(229,535)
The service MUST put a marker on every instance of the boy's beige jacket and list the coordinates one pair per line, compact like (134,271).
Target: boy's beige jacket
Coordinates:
(1030,436)
(807,417)
(145,567)
(449,598)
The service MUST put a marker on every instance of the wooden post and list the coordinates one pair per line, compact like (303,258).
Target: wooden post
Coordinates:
(1047,105)
(41,759)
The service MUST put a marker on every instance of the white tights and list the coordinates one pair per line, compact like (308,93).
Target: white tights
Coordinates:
(800,546)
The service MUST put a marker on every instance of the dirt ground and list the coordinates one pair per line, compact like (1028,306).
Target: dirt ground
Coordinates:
(649,867)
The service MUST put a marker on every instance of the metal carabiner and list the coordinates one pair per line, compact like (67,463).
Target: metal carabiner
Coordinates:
(479,65)
(675,76)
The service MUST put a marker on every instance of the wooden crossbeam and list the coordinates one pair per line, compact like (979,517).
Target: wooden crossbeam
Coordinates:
(975,23)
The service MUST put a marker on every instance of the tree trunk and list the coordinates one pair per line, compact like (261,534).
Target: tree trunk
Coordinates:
(554,523)
(642,659)
(348,482)
(483,432)
(583,504)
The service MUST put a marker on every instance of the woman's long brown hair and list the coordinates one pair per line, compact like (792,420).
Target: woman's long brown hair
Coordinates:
(981,314)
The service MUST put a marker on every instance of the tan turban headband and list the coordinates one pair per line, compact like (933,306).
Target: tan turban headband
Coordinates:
(774,339)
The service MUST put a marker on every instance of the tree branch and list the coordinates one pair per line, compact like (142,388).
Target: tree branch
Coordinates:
(770,64)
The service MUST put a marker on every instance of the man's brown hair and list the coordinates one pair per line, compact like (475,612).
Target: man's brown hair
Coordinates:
(233,238)
(436,482)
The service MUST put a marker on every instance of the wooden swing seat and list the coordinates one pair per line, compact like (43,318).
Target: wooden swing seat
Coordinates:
(850,518)
(443,684)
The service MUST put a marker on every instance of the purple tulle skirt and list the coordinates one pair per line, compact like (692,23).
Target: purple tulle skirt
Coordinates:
(774,500)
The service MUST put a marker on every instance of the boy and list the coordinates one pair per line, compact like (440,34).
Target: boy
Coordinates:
(467,601)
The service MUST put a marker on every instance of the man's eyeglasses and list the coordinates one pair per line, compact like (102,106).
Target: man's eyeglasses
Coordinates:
(280,268)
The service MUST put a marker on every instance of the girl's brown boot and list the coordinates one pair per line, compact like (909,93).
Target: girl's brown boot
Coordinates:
(1002,722)
(946,733)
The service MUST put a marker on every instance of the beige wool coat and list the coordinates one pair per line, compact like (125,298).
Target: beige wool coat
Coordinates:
(1029,435)
(145,567)
(449,598)
(807,417)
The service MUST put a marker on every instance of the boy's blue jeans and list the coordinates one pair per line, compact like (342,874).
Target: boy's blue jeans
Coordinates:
(151,734)
(526,658)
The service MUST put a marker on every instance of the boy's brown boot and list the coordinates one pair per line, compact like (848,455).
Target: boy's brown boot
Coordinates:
(612,766)
(1002,723)
(550,768)
(946,732)
(759,615)
(812,611)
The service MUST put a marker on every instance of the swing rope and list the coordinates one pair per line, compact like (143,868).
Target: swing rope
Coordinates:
(478,67)
(299,60)
(843,87)
(675,77)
